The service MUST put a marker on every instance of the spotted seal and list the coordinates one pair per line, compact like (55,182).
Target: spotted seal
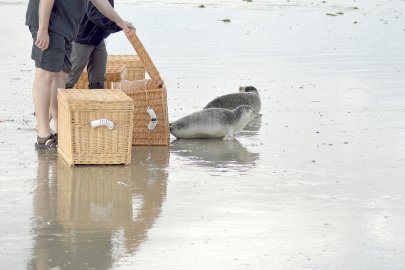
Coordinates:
(247,95)
(212,123)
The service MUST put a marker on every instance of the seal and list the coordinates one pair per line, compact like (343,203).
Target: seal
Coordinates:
(212,123)
(247,95)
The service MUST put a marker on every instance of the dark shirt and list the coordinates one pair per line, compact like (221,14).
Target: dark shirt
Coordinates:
(95,27)
(65,16)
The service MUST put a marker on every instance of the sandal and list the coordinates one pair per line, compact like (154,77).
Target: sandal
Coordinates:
(49,142)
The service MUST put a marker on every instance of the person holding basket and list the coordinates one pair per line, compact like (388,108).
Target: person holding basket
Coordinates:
(89,48)
(53,25)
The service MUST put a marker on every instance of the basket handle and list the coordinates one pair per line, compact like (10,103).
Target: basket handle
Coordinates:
(102,122)
(153,119)
(126,85)
(145,58)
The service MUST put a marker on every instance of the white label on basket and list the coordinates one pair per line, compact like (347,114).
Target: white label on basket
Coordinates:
(102,122)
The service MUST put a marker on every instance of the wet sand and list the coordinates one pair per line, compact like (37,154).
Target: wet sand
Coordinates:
(317,183)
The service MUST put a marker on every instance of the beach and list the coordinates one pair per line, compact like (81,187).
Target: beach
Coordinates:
(316,183)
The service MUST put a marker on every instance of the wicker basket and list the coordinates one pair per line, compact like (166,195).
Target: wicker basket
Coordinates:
(151,122)
(133,65)
(95,126)
(146,131)
(114,73)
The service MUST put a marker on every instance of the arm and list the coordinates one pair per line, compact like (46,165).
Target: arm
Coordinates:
(107,10)
(101,21)
(44,13)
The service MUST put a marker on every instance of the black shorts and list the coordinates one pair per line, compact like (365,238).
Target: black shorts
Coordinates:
(57,57)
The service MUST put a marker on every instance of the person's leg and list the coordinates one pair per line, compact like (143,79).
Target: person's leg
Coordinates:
(79,59)
(49,63)
(58,82)
(41,93)
(97,66)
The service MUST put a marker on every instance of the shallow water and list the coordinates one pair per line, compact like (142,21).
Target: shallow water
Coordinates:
(316,183)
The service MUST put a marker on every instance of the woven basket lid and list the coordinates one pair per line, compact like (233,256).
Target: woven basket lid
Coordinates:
(85,99)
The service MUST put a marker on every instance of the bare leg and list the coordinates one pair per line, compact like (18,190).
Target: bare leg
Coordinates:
(58,82)
(41,94)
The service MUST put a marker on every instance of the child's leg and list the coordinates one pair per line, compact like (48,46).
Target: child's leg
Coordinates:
(97,66)
(41,93)
(79,59)
(58,82)
(49,64)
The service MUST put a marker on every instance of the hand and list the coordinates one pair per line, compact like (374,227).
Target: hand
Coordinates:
(126,26)
(42,41)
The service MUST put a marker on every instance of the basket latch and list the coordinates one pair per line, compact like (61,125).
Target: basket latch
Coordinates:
(153,119)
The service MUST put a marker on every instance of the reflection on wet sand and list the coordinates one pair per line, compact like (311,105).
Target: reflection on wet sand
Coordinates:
(217,152)
(86,217)
(214,152)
